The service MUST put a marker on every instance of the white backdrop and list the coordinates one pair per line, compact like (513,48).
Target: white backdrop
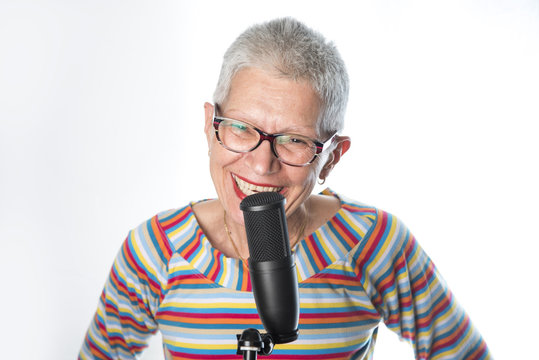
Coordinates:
(101,127)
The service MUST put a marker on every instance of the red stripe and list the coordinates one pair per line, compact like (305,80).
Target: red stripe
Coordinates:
(451,340)
(323,278)
(141,273)
(97,352)
(372,242)
(176,219)
(212,274)
(190,249)
(389,282)
(344,232)
(161,237)
(317,256)
(123,290)
(360,313)
(207,315)
(479,352)
(176,355)
(361,209)
(188,279)
(336,356)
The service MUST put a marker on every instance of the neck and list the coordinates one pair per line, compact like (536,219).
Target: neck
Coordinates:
(237,237)
(297,224)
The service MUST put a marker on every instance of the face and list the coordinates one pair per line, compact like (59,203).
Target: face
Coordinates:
(273,105)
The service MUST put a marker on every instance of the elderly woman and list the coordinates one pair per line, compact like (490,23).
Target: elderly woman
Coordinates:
(185,271)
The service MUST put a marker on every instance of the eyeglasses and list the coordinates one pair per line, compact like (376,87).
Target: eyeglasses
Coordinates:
(291,149)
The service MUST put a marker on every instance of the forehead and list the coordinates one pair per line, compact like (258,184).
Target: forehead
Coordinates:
(271,102)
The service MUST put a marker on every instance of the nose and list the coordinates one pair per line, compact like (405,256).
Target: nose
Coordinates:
(262,159)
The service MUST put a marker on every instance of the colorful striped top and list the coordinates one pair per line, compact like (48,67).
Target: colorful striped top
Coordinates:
(360,268)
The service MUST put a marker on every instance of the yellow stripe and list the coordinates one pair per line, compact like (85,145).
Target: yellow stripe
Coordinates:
(327,251)
(203,346)
(320,345)
(147,266)
(181,267)
(443,355)
(100,344)
(187,224)
(349,222)
(318,305)
(226,305)
(383,251)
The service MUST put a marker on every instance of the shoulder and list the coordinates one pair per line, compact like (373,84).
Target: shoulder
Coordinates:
(173,218)
(151,239)
(383,230)
(352,212)
(387,242)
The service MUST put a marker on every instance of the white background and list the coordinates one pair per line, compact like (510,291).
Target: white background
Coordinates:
(101,109)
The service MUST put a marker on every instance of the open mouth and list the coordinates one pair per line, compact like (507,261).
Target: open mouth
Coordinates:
(250,189)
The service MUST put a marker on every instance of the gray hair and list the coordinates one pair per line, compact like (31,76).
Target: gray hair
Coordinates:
(296,52)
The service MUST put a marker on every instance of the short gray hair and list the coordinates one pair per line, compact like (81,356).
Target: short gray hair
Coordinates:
(296,52)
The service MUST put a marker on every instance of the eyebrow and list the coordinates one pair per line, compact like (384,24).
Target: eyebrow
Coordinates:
(293,130)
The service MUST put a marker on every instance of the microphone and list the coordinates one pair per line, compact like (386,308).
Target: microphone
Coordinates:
(271,265)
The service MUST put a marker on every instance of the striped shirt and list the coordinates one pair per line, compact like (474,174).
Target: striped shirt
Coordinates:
(360,268)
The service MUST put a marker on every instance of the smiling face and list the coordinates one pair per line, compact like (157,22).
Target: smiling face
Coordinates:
(274,105)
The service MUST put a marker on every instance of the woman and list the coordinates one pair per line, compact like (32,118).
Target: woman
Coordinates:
(185,271)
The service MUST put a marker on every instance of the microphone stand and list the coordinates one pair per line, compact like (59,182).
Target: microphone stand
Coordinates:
(251,343)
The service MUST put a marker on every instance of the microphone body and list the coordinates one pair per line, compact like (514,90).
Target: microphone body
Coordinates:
(271,265)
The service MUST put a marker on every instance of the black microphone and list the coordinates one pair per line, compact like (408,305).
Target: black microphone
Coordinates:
(271,265)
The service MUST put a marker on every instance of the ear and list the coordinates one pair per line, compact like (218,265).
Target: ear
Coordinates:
(208,121)
(342,144)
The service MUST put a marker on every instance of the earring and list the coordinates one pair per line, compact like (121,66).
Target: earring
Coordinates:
(321,181)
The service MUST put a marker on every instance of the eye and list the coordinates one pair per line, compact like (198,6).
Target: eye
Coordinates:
(291,140)
(234,131)
(296,140)
(238,126)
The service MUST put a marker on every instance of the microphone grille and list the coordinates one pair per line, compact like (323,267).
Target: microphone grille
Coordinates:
(264,199)
(265,225)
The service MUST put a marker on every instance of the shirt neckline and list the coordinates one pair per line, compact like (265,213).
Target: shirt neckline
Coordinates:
(312,253)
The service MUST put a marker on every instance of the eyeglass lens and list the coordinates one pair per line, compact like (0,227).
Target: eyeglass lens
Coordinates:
(241,137)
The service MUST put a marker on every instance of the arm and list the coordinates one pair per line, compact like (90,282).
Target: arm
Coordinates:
(411,296)
(124,319)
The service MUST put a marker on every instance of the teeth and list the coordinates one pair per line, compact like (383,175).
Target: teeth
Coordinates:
(250,189)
